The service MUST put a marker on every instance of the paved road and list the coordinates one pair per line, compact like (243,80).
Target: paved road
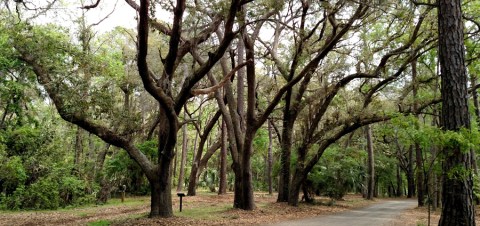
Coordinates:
(375,215)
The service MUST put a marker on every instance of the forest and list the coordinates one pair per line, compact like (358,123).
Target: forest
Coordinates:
(297,99)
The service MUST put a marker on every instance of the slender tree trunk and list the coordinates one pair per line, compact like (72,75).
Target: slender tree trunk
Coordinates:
(473,81)
(410,174)
(184,156)
(240,84)
(418,150)
(457,198)
(222,188)
(101,158)
(197,166)
(78,150)
(269,159)
(419,175)
(370,164)
(399,182)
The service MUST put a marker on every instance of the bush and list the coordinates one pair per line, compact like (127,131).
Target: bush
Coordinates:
(12,173)
(42,194)
(14,201)
(338,172)
(72,192)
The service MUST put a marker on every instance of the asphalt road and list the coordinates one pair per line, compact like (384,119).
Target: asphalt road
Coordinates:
(375,215)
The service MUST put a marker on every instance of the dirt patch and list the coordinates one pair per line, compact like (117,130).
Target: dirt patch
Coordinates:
(267,211)
(419,216)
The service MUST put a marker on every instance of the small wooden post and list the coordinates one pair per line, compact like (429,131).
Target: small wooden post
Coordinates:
(123,188)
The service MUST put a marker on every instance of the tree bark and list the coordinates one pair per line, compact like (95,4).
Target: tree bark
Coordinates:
(222,188)
(457,198)
(286,150)
(78,151)
(418,150)
(410,174)
(160,182)
(184,156)
(196,166)
(161,198)
(269,159)
(399,182)
(370,164)
(240,83)
(473,81)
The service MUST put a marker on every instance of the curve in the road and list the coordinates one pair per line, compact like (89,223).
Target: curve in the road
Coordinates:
(375,215)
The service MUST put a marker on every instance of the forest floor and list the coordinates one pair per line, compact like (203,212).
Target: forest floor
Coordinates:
(203,209)
(419,217)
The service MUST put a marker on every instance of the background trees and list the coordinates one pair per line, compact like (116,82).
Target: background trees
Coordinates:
(283,90)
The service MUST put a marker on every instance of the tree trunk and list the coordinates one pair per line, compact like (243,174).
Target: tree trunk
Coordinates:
(247,202)
(78,151)
(240,84)
(161,198)
(101,158)
(473,81)
(184,156)
(161,182)
(237,193)
(399,182)
(196,166)
(457,198)
(222,188)
(295,185)
(410,174)
(370,164)
(269,159)
(418,150)
(286,146)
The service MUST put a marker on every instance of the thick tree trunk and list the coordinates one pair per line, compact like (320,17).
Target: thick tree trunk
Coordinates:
(247,202)
(222,188)
(457,198)
(237,193)
(161,199)
(286,146)
(295,186)
(370,164)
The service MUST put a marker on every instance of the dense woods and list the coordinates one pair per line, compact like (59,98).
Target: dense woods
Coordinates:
(302,98)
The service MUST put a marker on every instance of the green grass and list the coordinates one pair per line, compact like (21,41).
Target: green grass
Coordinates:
(99,223)
(84,210)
